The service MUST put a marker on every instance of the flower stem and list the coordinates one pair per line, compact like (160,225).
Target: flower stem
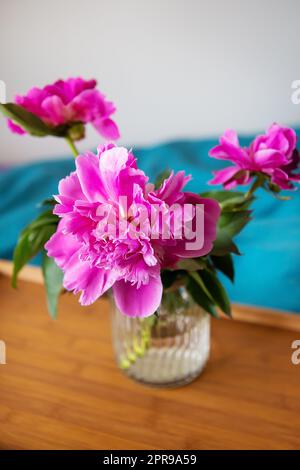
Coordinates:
(72,146)
(258,182)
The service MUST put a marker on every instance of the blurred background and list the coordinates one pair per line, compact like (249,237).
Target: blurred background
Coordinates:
(180,72)
(175,68)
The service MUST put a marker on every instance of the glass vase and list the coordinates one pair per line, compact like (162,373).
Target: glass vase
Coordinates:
(168,349)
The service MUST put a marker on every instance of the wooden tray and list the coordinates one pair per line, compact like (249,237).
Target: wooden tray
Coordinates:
(61,389)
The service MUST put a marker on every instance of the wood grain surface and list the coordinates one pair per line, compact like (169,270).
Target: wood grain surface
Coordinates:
(61,389)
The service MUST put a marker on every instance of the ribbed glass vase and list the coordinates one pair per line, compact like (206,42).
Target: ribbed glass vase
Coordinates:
(169,349)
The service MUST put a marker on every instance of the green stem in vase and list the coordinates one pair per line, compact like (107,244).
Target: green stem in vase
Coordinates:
(140,345)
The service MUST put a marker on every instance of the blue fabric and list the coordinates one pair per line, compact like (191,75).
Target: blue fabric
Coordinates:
(268,273)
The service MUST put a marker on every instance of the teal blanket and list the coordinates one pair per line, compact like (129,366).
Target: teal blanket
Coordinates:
(268,272)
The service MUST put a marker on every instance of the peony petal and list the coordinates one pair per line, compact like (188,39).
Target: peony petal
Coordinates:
(231,184)
(67,101)
(283,139)
(223,176)
(98,281)
(170,190)
(119,174)
(62,247)
(91,281)
(138,302)
(89,177)
(107,128)
(231,137)
(88,105)
(69,192)
(79,276)
(15,128)
(229,149)
(69,89)
(242,178)
(269,158)
(32,101)
(70,187)
(55,110)
(294,177)
(212,211)
(281,178)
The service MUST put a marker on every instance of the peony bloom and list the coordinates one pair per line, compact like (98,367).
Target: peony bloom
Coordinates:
(110,232)
(273,154)
(69,101)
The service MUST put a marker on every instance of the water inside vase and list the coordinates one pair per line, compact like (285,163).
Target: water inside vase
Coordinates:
(169,350)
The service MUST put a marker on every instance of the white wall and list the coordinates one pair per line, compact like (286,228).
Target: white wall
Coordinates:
(175,68)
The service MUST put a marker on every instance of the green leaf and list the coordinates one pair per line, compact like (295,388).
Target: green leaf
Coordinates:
(234,216)
(201,284)
(53,277)
(34,125)
(224,264)
(224,197)
(230,200)
(168,277)
(191,264)
(200,297)
(215,290)
(47,218)
(48,202)
(229,225)
(28,246)
(28,121)
(224,244)
(233,222)
(32,240)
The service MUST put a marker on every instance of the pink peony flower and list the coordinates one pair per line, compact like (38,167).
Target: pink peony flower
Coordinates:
(110,233)
(273,154)
(67,101)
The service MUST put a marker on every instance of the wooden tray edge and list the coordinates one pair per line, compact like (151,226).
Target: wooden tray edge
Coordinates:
(246,313)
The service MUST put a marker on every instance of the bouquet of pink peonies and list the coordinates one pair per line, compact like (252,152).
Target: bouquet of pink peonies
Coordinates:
(110,228)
